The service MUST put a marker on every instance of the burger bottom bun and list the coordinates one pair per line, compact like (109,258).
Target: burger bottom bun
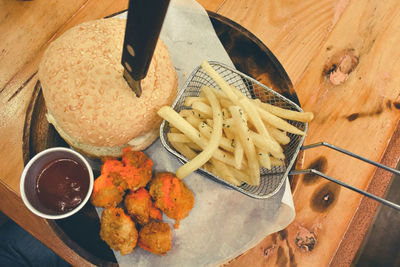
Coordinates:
(138,143)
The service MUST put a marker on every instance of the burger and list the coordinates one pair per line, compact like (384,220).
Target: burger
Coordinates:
(87,98)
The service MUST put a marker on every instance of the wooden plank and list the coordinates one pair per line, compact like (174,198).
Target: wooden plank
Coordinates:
(22,34)
(347,114)
(360,114)
(293,30)
(12,117)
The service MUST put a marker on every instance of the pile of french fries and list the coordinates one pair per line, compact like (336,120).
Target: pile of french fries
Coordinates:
(229,134)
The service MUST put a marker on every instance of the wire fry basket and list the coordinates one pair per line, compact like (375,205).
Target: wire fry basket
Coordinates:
(270,180)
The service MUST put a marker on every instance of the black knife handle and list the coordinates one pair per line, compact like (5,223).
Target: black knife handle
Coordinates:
(145,18)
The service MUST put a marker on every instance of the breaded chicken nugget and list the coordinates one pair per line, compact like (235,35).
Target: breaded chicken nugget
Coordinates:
(118,230)
(139,206)
(155,237)
(132,172)
(137,169)
(155,213)
(105,192)
(111,165)
(171,196)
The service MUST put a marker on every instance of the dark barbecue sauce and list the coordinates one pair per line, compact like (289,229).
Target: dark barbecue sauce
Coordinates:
(62,185)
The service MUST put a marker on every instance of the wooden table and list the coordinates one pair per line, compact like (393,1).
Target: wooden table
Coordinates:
(342,57)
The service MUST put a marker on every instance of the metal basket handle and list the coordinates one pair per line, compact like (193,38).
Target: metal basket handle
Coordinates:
(381,200)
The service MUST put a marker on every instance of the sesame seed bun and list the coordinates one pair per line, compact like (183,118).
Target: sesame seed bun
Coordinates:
(89,102)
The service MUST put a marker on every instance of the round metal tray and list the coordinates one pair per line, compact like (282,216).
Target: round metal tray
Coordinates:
(81,231)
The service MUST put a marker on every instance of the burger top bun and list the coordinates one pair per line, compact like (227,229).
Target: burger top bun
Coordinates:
(88,100)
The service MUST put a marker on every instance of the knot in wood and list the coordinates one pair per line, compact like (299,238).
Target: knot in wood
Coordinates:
(339,67)
(305,240)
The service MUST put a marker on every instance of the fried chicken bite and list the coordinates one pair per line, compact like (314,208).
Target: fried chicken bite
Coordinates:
(139,205)
(171,196)
(115,168)
(106,192)
(132,172)
(155,237)
(118,230)
(155,213)
(137,169)
(111,165)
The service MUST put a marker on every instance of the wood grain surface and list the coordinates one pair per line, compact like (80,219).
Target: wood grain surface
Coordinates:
(342,58)
(295,30)
(81,231)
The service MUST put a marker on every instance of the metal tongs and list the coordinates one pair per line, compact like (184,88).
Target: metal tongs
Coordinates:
(351,154)
(145,19)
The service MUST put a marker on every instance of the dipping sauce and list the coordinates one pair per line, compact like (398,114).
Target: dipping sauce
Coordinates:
(62,184)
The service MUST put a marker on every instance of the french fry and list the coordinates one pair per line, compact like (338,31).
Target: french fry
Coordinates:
(228,131)
(265,144)
(247,144)
(193,120)
(226,103)
(212,146)
(278,122)
(170,115)
(225,123)
(186,113)
(228,123)
(190,113)
(190,116)
(202,108)
(267,116)
(186,151)
(241,175)
(194,146)
(190,99)
(280,156)
(225,143)
(278,135)
(259,140)
(209,167)
(238,97)
(276,162)
(209,122)
(225,87)
(255,119)
(264,159)
(174,130)
(238,153)
(225,114)
(284,113)
(178,138)
(224,172)
(219,93)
